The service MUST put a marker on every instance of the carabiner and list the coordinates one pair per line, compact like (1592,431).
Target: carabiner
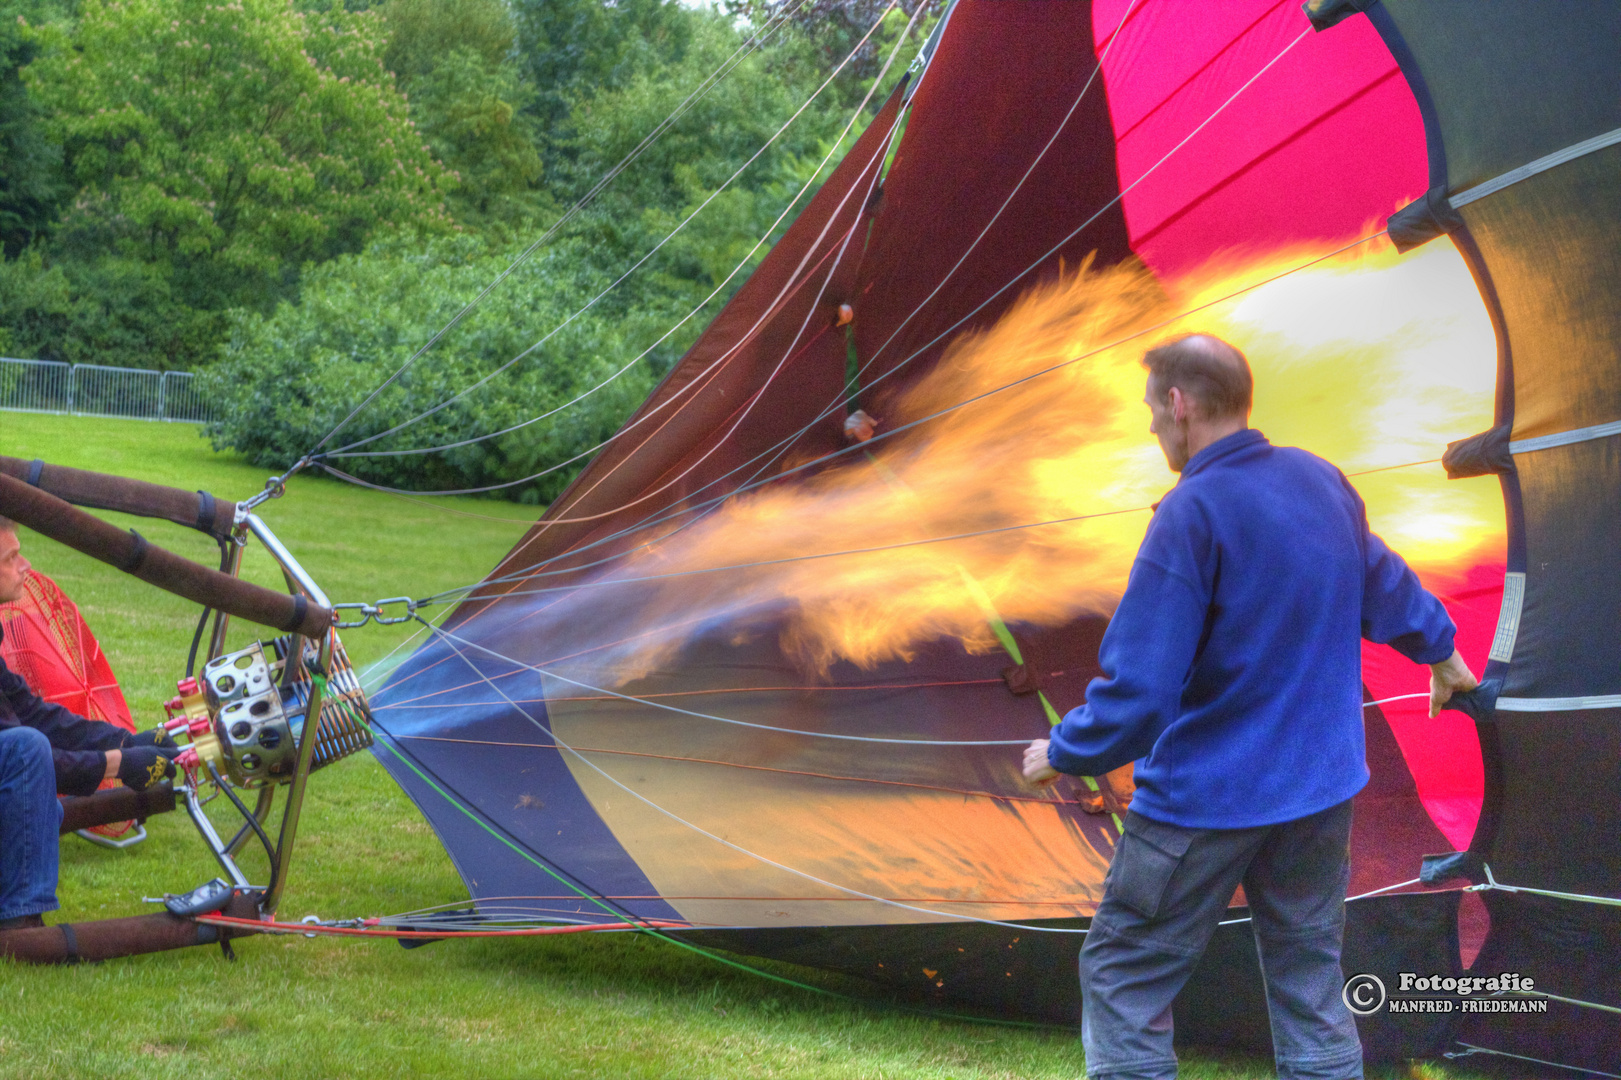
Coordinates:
(410,611)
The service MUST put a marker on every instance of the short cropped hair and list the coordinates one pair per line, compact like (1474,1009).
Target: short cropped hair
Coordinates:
(7,525)
(1207,370)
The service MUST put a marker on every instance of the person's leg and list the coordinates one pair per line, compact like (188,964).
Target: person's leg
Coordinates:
(1296,890)
(1166,890)
(30,818)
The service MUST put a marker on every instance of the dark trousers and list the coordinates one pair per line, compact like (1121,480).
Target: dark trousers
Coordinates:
(30,816)
(1167,889)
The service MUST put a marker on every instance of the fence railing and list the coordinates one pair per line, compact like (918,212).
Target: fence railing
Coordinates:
(52,386)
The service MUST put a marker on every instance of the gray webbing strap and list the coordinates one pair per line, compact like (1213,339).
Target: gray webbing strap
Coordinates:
(1436,213)
(1531,168)
(1508,619)
(1558,704)
(1565,438)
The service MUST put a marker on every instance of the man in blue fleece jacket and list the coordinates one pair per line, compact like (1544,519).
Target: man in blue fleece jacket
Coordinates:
(1232,677)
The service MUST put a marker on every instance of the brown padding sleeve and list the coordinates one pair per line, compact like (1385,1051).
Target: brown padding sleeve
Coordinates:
(50,516)
(107,939)
(101,491)
(115,804)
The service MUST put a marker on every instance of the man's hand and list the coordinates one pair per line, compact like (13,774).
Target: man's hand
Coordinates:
(1037,769)
(1449,677)
(158,737)
(140,767)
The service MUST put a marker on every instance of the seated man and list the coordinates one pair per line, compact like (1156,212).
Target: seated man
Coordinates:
(46,750)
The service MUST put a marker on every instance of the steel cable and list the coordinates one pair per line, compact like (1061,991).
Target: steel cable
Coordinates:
(705,85)
(347,449)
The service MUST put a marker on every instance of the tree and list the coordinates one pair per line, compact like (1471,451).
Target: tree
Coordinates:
(571,49)
(286,379)
(230,143)
(32,188)
(454,59)
(422,32)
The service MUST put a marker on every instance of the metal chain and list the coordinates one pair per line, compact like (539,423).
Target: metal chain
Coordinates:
(374,612)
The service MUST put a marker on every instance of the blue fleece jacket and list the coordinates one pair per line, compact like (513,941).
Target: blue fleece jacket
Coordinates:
(1232,667)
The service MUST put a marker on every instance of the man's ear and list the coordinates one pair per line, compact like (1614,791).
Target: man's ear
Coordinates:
(1179,405)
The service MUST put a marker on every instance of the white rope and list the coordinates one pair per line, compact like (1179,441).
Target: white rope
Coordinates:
(531,573)
(791,350)
(1472,1050)
(1348,899)
(947,915)
(708,83)
(793,284)
(461,593)
(1083,225)
(1492,883)
(707,716)
(1398,697)
(638,264)
(1000,210)
(914,355)
(972,246)
(451,639)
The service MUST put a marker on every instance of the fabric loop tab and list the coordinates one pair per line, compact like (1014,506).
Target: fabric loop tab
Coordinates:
(35,469)
(1020,679)
(1479,455)
(1436,214)
(71,941)
(1435,869)
(137,553)
(1423,220)
(1478,704)
(1328,13)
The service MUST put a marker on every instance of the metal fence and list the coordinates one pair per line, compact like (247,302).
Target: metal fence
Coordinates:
(51,386)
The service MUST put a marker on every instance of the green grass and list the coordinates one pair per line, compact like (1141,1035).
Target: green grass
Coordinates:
(584,1005)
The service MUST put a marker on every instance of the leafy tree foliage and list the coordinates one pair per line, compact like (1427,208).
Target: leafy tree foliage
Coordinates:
(293,376)
(455,62)
(572,49)
(243,135)
(32,188)
(108,309)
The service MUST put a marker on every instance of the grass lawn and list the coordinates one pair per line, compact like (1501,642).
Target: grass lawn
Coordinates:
(616,1005)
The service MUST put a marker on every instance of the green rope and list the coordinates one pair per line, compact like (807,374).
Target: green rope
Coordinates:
(987,606)
(479,820)
(1005,636)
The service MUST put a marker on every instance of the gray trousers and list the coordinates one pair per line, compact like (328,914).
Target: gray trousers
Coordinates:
(1167,889)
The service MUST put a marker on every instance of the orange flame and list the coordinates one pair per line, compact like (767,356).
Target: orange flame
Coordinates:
(1370,359)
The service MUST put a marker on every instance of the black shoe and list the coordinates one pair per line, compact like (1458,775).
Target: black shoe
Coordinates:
(23,922)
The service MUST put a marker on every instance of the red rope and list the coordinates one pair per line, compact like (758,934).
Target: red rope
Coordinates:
(356,931)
